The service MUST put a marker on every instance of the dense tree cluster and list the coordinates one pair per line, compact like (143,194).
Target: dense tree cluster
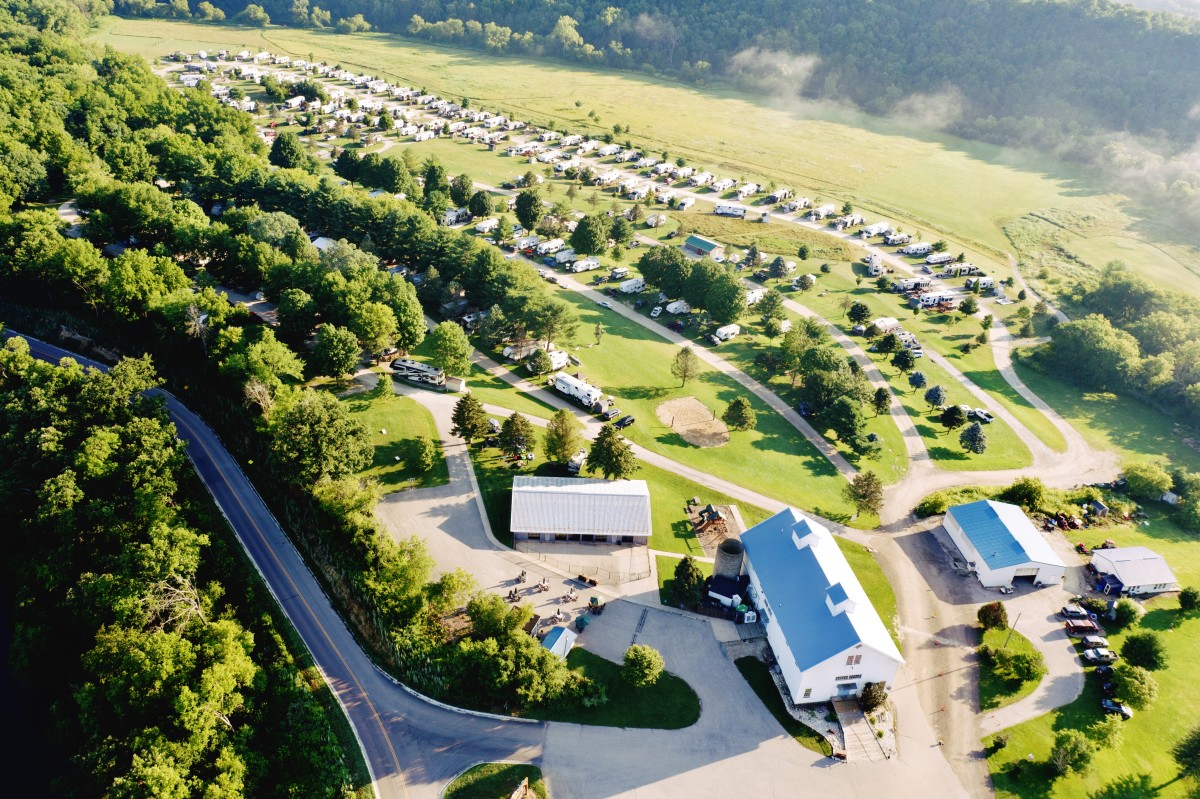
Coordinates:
(156,675)
(1005,71)
(178,197)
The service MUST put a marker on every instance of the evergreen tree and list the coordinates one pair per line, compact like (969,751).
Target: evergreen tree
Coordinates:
(611,455)
(470,421)
(973,439)
(516,435)
(739,414)
(865,493)
(562,438)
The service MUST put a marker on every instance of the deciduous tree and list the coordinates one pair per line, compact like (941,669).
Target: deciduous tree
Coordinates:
(685,366)
(451,349)
(865,493)
(643,666)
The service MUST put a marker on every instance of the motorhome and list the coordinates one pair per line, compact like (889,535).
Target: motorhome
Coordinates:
(418,372)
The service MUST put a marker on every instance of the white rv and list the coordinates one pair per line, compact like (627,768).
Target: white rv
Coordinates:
(550,247)
(581,391)
(724,209)
(727,332)
(632,286)
(918,248)
(939,258)
(679,307)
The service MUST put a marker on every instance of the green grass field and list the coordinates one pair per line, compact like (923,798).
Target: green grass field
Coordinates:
(939,333)
(1150,733)
(756,673)
(496,781)
(1107,421)
(996,691)
(633,365)
(932,183)
(669,704)
(404,421)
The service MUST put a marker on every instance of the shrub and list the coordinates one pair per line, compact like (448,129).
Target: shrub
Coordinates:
(1145,650)
(1026,666)
(643,665)
(1093,605)
(1127,612)
(993,616)
(874,694)
(999,742)
(1028,492)
(932,505)
(1189,598)
(987,654)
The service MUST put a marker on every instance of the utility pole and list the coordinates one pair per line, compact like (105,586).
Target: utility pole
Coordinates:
(1011,627)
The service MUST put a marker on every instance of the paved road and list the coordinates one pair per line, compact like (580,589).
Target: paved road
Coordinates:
(413,747)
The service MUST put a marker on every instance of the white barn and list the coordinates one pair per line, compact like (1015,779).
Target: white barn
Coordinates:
(580,509)
(827,638)
(1000,544)
(1133,570)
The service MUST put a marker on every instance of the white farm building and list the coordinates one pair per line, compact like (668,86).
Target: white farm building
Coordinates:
(1000,544)
(579,509)
(826,636)
(1133,570)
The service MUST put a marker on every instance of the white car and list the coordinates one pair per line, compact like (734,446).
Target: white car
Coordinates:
(605,304)
(657,312)
(983,415)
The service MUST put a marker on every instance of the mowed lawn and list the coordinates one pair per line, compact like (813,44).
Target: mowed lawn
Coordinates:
(996,691)
(1149,735)
(928,181)
(633,365)
(935,332)
(395,424)
(668,704)
(1107,421)
(496,781)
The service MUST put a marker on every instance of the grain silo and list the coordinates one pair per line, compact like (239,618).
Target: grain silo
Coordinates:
(728,564)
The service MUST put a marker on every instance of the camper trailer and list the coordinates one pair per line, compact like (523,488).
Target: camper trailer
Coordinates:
(581,391)
(724,209)
(632,286)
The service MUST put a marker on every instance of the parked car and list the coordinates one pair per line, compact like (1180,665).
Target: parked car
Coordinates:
(1113,706)
(983,415)
(804,409)
(918,353)
(1109,689)
(1099,656)
(1073,611)
(1094,642)
(605,304)
(624,422)
(657,312)
(1104,672)
(610,414)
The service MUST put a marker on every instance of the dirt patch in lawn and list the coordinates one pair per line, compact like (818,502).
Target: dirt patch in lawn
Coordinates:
(694,422)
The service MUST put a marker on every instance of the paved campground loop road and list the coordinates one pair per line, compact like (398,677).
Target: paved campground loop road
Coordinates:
(414,746)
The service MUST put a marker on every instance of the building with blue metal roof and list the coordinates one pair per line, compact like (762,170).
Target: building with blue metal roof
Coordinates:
(827,638)
(1000,544)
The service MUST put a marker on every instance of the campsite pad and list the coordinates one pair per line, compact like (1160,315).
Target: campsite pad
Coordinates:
(688,417)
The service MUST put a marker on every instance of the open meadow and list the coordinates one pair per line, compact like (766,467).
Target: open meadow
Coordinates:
(963,191)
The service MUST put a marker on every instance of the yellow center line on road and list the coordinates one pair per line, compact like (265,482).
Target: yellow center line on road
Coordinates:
(353,677)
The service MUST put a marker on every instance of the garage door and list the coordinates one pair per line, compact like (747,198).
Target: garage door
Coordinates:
(1031,571)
